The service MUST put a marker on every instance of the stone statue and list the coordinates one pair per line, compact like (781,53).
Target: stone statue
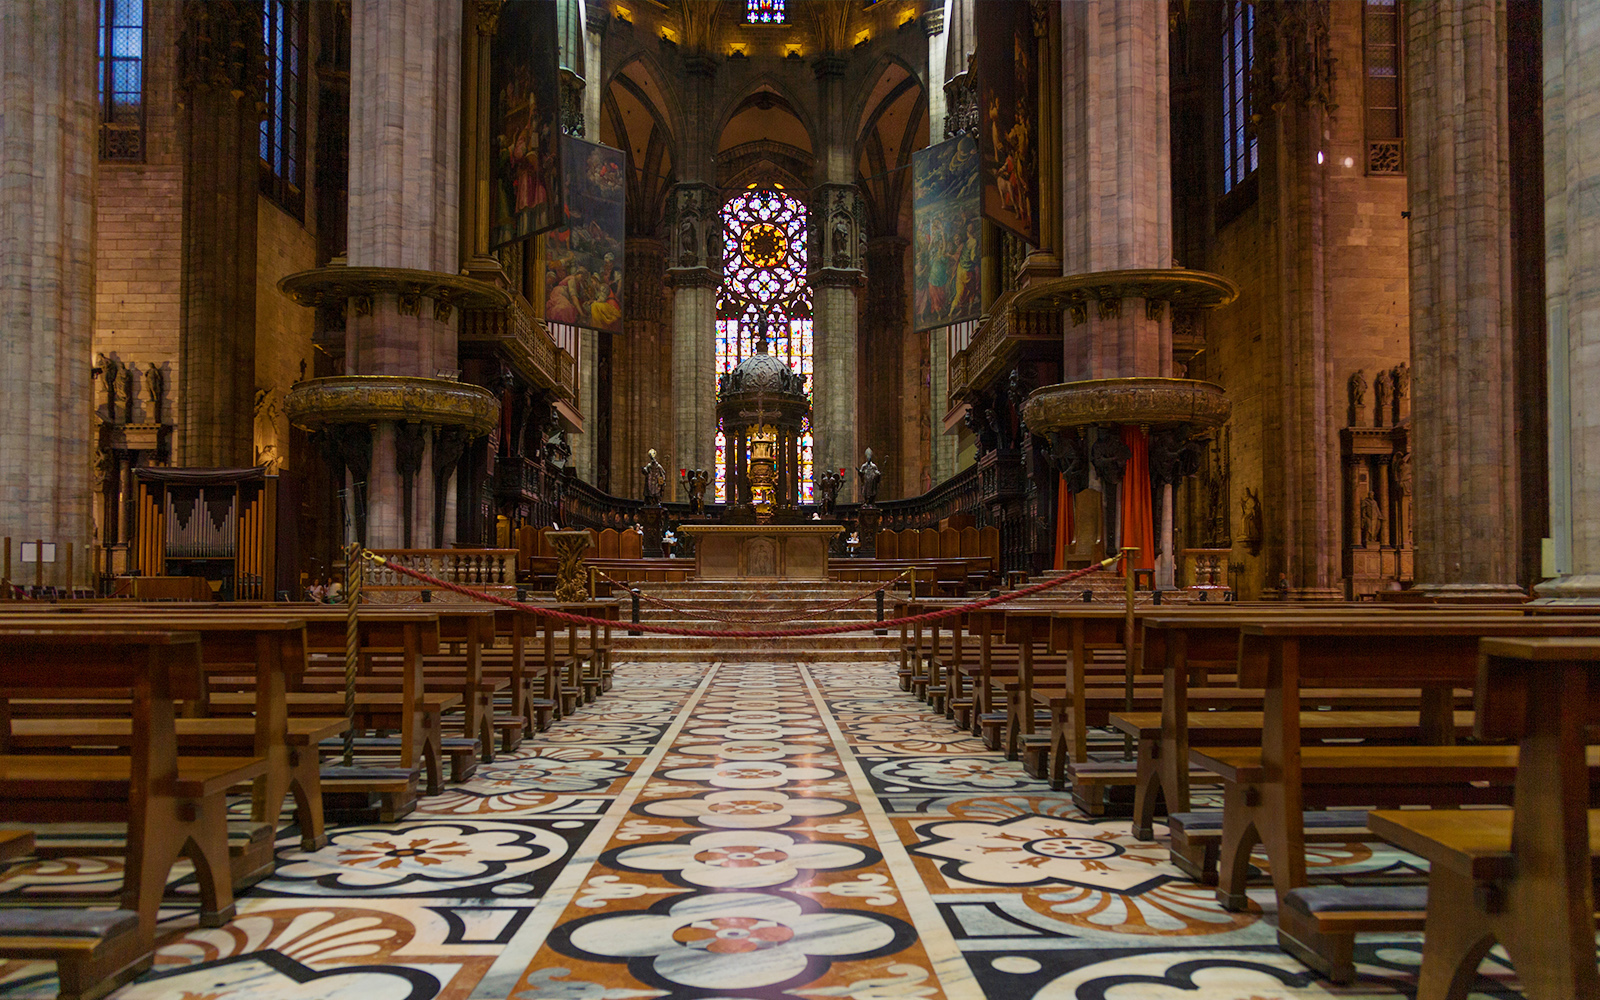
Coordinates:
(1109,456)
(125,390)
(869,478)
(655,481)
(1402,391)
(1358,397)
(1371,521)
(1383,388)
(1402,473)
(1250,511)
(828,485)
(1071,459)
(688,239)
(110,371)
(841,239)
(155,388)
(694,484)
(713,233)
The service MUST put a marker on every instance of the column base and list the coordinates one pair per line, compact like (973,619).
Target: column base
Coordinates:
(1470,593)
(1582,588)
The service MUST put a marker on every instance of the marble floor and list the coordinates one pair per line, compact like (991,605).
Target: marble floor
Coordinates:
(736,830)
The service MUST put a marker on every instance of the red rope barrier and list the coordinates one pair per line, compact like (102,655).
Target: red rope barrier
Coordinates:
(562,616)
(769,617)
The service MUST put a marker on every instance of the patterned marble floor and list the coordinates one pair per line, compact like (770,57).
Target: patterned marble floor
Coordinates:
(737,830)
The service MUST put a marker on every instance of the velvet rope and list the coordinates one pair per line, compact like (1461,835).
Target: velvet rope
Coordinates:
(571,619)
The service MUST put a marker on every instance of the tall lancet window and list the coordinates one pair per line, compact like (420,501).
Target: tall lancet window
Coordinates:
(764,274)
(122,80)
(1238,132)
(283,32)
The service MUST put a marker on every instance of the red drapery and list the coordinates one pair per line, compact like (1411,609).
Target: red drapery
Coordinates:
(1138,528)
(1065,503)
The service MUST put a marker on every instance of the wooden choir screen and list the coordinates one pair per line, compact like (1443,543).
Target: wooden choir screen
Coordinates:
(219,524)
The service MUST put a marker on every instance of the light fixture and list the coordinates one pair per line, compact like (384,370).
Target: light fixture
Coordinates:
(738,50)
(1349,162)
(1319,156)
(623,14)
(791,50)
(863,38)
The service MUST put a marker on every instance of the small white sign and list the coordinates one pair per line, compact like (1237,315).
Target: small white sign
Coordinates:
(30,552)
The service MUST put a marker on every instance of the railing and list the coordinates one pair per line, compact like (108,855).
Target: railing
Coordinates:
(528,344)
(483,568)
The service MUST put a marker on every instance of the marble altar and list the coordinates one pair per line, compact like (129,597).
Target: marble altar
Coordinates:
(761,551)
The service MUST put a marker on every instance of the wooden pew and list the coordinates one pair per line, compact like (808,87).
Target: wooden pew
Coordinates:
(95,951)
(172,805)
(1264,788)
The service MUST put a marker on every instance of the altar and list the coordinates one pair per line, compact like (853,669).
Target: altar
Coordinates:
(761,551)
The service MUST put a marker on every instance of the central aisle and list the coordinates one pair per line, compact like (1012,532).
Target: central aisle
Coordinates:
(749,830)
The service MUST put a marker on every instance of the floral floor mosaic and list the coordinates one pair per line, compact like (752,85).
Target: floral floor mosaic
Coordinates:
(737,830)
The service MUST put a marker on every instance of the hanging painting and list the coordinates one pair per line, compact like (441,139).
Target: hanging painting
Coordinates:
(948,246)
(525,102)
(1008,103)
(583,261)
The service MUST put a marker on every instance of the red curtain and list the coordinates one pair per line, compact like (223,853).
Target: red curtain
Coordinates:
(1064,526)
(1138,528)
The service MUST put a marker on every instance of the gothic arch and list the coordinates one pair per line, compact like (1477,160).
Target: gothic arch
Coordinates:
(780,95)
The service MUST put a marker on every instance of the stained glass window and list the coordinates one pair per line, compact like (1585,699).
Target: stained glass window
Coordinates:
(283,32)
(1238,132)
(764,11)
(122,80)
(764,274)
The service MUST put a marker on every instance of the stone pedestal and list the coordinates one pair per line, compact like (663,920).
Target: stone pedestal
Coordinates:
(869,520)
(652,517)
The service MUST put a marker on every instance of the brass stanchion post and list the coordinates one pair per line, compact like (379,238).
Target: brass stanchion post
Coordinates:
(352,645)
(1127,646)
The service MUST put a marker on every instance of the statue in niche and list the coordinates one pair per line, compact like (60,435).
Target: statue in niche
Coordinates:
(869,478)
(155,387)
(1071,460)
(713,233)
(841,237)
(828,485)
(1383,389)
(1371,521)
(1402,391)
(688,240)
(1358,397)
(1109,455)
(694,483)
(1250,513)
(655,481)
(266,431)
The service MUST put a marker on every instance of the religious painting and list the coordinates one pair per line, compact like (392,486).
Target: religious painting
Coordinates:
(1008,116)
(525,107)
(583,261)
(947,249)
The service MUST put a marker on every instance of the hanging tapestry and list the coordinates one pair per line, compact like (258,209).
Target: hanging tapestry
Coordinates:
(947,249)
(583,261)
(1008,106)
(524,113)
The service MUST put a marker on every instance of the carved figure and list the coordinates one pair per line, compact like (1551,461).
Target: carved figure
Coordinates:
(1383,389)
(655,481)
(1358,396)
(1071,459)
(155,388)
(828,485)
(694,483)
(110,373)
(1167,456)
(1371,521)
(1402,391)
(688,241)
(1109,456)
(713,232)
(979,431)
(869,478)
(841,239)
(1250,509)
(1402,473)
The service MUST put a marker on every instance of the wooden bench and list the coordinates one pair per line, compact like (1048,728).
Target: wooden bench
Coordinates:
(172,805)
(1525,879)
(95,951)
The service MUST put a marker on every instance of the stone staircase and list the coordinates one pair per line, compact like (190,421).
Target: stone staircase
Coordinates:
(731,598)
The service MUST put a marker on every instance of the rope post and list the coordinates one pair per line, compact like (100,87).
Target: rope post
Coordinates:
(1127,645)
(352,645)
(591,583)
(880,631)
(635,593)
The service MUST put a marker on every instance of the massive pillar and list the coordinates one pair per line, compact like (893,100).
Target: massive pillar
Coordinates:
(694,270)
(1572,219)
(405,153)
(1463,417)
(221,61)
(1291,93)
(47,216)
(836,280)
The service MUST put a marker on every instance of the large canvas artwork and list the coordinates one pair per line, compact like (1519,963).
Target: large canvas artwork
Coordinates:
(948,245)
(1008,106)
(583,262)
(525,110)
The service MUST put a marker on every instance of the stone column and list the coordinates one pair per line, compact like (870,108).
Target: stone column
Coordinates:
(221,66)
(405,149)
(639,421)
(47,215)
(1291,92)
(1116,167)
(836,280)
(694,271)
(1463,424)
(1572,235)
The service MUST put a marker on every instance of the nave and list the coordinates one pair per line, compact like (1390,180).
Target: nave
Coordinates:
(740,830)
